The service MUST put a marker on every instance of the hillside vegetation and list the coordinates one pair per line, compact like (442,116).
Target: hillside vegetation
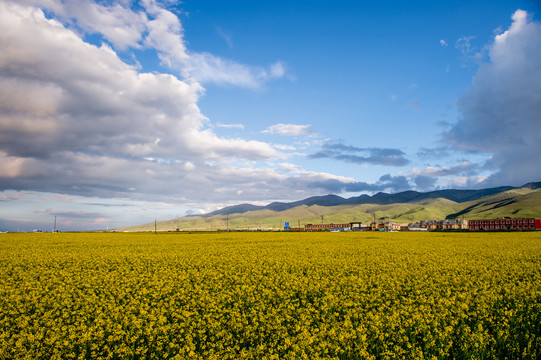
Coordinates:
(517,202)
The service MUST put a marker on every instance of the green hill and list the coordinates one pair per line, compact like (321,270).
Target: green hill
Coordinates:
(517,202)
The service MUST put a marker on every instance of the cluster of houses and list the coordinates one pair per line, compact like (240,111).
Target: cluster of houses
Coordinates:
(503,224)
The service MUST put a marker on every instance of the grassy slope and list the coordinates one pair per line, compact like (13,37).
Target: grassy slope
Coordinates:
(513,203)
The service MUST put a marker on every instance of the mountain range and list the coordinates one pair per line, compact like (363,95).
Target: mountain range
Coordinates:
(403,207)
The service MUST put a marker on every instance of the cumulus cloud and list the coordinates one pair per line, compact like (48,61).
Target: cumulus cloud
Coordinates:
(77,119)
(74,117)
(153,26)
(429,177)
(121,26)
(499,115)
(165,34)
(357,155)
(288,129)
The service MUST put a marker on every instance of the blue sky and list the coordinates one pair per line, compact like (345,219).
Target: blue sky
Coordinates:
(118,112)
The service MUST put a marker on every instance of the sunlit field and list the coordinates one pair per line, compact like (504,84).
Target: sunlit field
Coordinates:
(270,296)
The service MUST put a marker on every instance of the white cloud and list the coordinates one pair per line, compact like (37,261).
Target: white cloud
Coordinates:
(277,70)
(466,181)
(438,171)
(361,156)
(500,113)
(443,43)
(284,147)
(70,106)
(290,167)
(165,34)
(157,28)
(75,119)
(471,54)
(208,68)
(121,26)
(230,126)
(225,36)
(464,44)
(288,129)
(189,166)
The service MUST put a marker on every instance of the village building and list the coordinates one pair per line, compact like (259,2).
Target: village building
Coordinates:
(506,224)
(433,225)
(326,227)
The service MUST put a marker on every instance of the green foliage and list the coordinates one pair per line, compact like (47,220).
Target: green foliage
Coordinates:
(270,296)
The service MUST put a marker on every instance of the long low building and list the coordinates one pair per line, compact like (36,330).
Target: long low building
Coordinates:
(431,225)
(506,224)
(326,227)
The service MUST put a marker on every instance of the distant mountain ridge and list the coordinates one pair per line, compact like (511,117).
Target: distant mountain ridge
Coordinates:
(381,198)
(403,207)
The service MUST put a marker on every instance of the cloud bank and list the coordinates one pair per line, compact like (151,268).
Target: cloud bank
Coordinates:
(357,155)
(77,119)
(500,113)
(288,130)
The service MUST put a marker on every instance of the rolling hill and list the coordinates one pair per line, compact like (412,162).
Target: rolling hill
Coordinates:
(403,207)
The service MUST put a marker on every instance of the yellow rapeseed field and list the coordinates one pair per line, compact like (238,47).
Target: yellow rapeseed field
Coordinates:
(270,296)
